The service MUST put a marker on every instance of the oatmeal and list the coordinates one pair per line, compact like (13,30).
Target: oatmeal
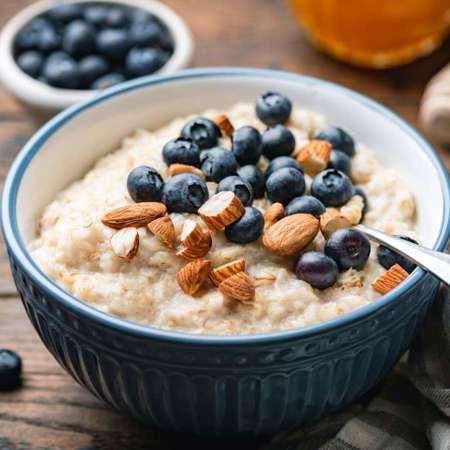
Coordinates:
(103,269)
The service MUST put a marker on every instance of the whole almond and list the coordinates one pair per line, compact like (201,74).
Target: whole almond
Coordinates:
(164,229)
(175,169)
(221,210)
(134,215)
(239,287)
(291,234)
(390,279)
(331,220)
(125,243)
(225,271)
(314,156)
(273,214)
(192,276)
(224,123)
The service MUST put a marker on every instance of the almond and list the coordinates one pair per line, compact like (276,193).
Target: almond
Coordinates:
(175,169)
(331,220)
(192,276)
(223,122)
(197,241)
(273,214)
(225,271)
(314,156)
(239,287)
(221,210)
(164,229)
(291,234)
(193,235)
(390,279)
(134,215)
(125,243)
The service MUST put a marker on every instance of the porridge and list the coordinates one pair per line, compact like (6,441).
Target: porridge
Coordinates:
(233,267)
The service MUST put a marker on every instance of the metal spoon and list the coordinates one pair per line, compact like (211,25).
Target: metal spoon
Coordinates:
(437,263)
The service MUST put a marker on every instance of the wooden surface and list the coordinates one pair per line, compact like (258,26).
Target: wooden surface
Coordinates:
(51,411)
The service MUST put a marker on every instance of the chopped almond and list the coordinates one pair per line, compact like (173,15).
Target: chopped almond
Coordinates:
(314,156)
(390,279)
(225,271)
(192,276)
(221,210)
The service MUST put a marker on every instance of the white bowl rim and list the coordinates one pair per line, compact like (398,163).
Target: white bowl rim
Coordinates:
(40,95)
(24,259)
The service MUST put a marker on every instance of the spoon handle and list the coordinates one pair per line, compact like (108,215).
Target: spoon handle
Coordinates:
(437,263)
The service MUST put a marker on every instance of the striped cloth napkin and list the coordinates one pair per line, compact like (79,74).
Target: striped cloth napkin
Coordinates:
(410,411)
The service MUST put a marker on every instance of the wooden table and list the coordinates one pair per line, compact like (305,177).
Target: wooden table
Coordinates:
(51,411)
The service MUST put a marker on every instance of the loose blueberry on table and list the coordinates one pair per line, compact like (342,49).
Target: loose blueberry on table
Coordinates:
(92,45)
(10,370)
(230,160)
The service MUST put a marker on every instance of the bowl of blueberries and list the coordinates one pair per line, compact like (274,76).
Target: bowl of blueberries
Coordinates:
(55,54)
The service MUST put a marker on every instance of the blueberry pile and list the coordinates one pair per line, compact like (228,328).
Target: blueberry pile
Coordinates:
(236,169)
(92,45)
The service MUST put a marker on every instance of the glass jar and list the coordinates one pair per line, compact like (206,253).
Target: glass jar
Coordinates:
(375,33)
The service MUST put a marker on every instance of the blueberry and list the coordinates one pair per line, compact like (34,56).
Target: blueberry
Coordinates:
(349,248)
(217,163)
(277,141)
(28,37)
(10,369)
(49,40)
(184,193)
(31,62)
(91,68)
(144,61)
(317,269)
(96,14)
(66,12)
(359,191)
(387,258)
(113,43)
(305,205)
(246,145)
(273,108)
(280,162)
(246,229)
(182,151)
(78,38)
(340,161)
(61,71)
(116,16)
(136,15)
(108,80)
(285,184)
(332,187)
(239,186)
(145,184)
(255,177)
(338,138)
(151,33)
(38,34)
(204,132)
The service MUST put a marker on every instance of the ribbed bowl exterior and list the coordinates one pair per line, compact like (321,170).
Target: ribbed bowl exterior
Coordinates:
(227,390)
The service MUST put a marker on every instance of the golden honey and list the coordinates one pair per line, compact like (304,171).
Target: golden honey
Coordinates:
(375,33)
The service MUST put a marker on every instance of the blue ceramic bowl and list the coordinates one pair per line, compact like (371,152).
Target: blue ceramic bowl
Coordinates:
(213,385)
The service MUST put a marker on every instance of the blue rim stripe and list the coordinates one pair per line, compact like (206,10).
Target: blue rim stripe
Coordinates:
(23,258)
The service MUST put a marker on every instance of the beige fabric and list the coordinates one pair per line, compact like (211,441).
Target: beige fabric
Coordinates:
(410,412)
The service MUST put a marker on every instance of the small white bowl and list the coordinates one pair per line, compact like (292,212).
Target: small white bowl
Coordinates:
(48,100)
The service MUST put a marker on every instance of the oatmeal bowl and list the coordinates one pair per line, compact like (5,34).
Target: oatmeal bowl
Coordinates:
(185,246)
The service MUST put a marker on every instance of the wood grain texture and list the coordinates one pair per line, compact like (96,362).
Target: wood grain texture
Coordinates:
(51,411)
